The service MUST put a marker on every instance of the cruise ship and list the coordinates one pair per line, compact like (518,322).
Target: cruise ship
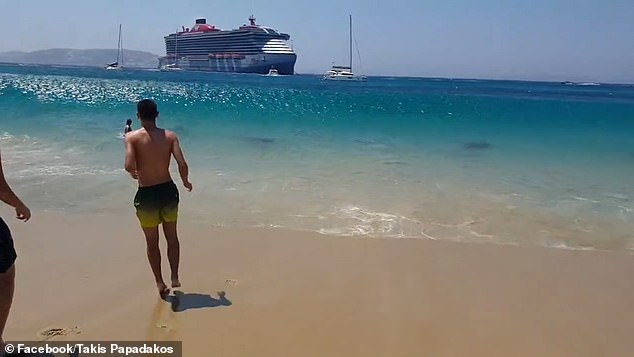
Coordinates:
(249,49)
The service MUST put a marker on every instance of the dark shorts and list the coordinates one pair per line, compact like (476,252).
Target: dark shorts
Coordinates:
(7,251)
(156,204)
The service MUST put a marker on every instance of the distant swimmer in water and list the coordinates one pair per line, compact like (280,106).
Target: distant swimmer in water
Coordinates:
(128,127)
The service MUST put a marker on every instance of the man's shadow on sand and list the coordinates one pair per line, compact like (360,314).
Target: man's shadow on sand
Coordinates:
(181,301)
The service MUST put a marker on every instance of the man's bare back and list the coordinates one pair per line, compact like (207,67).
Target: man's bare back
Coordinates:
(152,150)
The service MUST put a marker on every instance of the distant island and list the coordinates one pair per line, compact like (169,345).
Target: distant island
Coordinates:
(74,57)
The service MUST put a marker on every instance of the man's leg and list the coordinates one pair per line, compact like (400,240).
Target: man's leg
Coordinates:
(154,257)
(7,283)
(173,250)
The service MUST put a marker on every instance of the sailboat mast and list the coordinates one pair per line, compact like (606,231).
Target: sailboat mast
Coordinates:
(120,46)
(351,43)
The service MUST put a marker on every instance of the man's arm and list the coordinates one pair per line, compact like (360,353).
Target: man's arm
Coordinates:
(130,157)
(9,197)
(183,169)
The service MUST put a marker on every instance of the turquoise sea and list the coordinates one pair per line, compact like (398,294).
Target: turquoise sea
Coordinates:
(508,162)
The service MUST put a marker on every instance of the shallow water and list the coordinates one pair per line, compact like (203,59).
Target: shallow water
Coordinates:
(490,161)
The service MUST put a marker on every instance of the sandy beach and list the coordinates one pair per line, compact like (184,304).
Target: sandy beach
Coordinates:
(303,294)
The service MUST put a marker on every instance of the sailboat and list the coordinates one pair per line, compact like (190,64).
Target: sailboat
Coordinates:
(172,66)
(344,73)
(118,64)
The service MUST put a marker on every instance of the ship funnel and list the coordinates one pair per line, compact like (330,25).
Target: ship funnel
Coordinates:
(201,21)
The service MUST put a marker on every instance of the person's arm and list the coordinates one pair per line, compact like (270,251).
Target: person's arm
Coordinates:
(9,197)
(130,158)
(183,169)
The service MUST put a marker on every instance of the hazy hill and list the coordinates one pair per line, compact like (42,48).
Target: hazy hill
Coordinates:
(73,57)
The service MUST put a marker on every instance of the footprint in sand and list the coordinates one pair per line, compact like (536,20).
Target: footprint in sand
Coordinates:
(165,327)
(51,332)
(232,282)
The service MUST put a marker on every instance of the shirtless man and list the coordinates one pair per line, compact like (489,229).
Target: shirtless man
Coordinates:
(147,159)
(7,252)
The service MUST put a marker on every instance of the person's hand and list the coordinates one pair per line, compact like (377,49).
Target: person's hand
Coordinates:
(23,213)
(135,175)
(188,186)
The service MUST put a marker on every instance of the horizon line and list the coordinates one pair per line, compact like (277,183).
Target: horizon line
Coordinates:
(626,82)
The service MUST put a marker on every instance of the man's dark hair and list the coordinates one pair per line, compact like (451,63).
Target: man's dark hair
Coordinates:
(128,122)
(147,109)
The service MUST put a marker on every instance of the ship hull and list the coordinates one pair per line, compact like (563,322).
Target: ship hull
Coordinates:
(257,63)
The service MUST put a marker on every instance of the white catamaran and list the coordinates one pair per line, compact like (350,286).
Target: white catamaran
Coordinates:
(118,64)
(344,73)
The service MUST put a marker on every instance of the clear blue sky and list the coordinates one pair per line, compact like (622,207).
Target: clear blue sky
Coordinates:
(529,39)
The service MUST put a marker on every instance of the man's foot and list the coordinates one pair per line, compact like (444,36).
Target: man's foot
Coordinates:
(176,283)
(163,290)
